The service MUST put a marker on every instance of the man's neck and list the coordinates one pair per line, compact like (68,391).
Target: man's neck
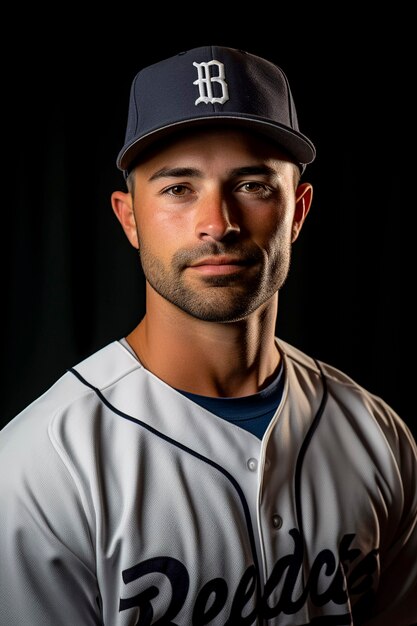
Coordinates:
(208,358)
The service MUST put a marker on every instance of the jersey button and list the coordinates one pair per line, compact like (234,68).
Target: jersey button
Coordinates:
(252,465)
(277,521)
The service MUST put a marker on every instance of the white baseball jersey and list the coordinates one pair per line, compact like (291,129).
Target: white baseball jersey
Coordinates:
(124,503)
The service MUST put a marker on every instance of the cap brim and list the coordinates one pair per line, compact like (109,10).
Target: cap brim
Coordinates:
(299,147)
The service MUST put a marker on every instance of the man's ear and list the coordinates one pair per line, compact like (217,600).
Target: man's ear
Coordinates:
(303,199)
(122,204)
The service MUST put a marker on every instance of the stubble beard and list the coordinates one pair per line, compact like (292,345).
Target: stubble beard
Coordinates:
(219,298)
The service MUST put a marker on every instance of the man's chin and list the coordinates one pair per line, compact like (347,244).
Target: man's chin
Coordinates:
(218,311)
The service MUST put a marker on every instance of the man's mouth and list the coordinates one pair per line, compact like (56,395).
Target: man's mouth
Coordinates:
(221,264)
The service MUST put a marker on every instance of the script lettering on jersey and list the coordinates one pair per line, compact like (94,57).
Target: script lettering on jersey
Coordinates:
(336,579)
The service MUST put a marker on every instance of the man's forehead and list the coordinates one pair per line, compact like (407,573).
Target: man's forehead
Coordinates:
(274,169)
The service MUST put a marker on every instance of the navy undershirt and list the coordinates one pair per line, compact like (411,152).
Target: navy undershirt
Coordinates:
(252,413)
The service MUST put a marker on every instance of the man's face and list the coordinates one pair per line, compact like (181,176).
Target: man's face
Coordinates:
(214,214)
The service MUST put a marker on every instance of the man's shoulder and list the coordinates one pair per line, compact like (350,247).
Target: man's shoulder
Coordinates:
(345,395)
(319,368)
(96,372)
(105,366)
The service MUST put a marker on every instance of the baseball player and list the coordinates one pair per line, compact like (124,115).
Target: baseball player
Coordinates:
(201,470)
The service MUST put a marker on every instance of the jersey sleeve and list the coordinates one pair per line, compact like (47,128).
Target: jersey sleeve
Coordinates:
(47,573)
(397,591)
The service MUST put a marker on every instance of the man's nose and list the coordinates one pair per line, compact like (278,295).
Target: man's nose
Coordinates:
(216,218)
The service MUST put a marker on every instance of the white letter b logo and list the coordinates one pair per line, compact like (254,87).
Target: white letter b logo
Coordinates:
(205,80)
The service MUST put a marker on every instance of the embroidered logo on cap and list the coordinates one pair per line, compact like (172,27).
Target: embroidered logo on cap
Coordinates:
(205,80)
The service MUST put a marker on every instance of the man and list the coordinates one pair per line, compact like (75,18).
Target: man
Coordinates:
(201,470)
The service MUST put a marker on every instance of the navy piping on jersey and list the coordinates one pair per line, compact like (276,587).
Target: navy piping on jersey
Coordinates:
(304,446)
(297,478)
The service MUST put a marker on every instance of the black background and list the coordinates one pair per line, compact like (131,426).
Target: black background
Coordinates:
(72,283)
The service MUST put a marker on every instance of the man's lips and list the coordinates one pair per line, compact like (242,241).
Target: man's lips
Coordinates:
(220,265)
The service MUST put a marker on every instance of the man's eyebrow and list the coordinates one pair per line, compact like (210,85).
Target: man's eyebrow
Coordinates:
(254,170)
(176,172)
(191,172)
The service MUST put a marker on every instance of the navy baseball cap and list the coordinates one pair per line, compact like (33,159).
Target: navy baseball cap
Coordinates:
(212,85)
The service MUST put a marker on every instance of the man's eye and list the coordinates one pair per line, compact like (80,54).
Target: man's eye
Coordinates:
(252,186)
(261,190)
(177,190)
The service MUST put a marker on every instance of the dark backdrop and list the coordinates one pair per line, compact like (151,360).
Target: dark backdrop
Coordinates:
(71,282)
